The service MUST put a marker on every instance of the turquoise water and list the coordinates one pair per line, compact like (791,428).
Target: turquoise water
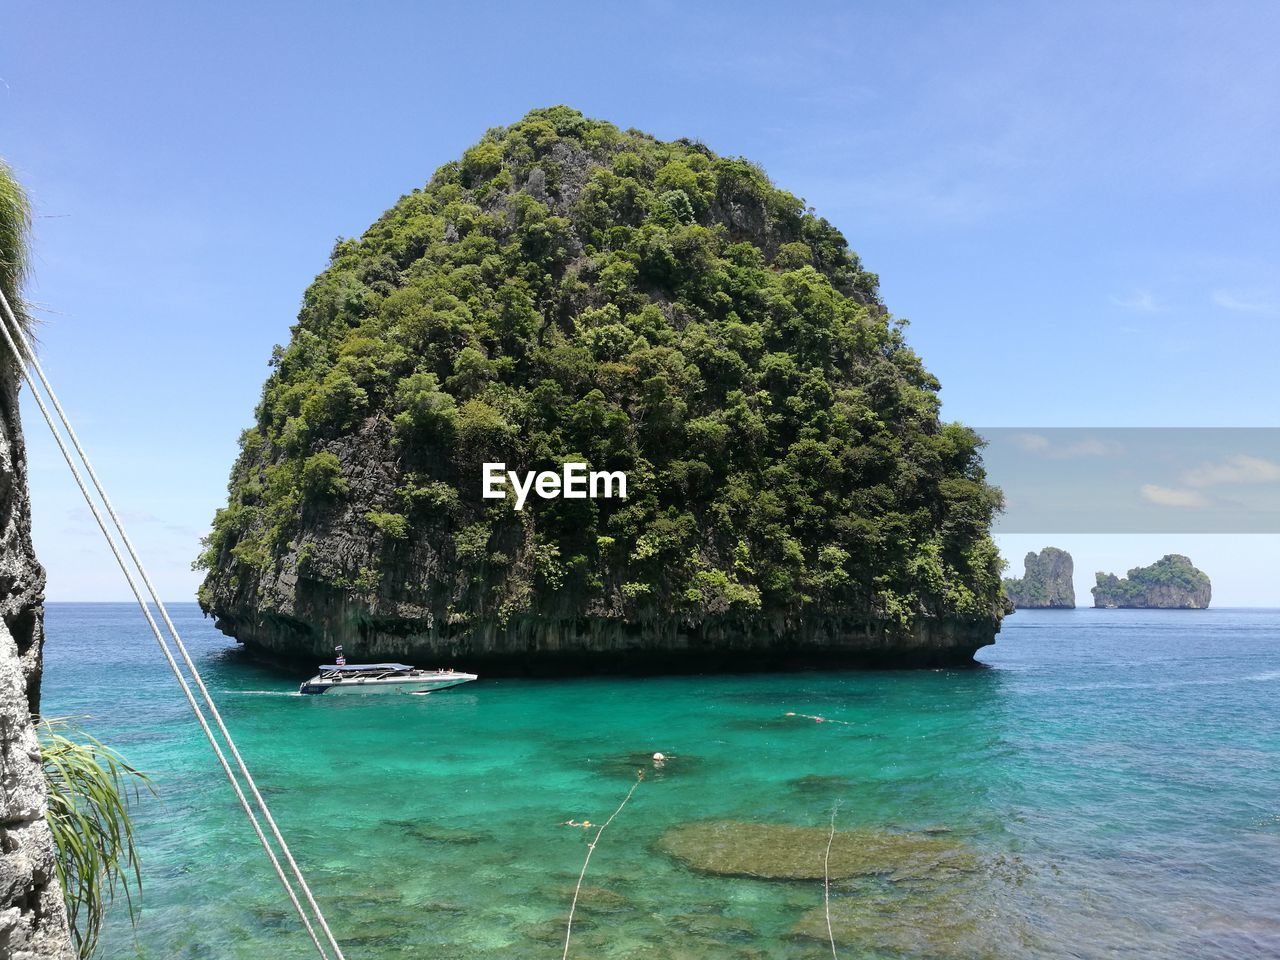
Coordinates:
(1114,775)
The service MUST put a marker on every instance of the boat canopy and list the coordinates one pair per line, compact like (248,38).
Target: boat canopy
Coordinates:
(367,666)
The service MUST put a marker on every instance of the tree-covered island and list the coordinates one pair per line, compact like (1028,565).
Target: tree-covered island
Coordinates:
(1171,583)
(571,292)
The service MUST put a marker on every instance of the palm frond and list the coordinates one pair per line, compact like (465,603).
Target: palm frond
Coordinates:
(91,789)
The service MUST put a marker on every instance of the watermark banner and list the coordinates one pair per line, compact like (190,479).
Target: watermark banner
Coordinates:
(1136,479)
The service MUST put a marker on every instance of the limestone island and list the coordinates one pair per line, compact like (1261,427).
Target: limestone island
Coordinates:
(1046,583)
(1171,583)
(569,293)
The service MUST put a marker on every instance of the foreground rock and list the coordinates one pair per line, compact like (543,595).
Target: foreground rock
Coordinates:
(1046,583)
(773,851)
(1171,583)
(33,920)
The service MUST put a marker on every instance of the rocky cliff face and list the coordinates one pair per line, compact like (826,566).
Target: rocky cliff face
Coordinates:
(33,921)
(1046,582)
(1171,583)
(543,646)
(571,292)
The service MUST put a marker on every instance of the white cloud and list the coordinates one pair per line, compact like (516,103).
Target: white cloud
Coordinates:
(1240,469)
(1140,300)
(1245,303)
(1086,447)
(1172,497)
(1031,442)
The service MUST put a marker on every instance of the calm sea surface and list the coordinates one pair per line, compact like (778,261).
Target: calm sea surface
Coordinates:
(1112,778)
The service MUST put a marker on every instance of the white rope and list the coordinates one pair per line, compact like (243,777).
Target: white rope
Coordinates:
(11,321)
(591,848)
(826,880)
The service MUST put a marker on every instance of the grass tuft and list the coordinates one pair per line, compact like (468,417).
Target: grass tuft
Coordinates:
(15,235)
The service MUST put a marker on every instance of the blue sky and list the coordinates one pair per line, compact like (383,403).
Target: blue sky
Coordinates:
(1068,201)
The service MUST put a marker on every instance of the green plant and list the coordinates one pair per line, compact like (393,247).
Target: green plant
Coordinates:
(91,789)
(15,226)
(393,525)
(322,477)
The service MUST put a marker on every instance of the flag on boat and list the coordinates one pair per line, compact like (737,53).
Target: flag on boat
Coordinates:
(338,658)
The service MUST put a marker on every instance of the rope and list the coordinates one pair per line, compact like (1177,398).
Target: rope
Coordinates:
(591,848)
(10,321)
(826,880)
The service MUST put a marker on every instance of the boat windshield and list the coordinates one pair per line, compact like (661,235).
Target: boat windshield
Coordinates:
(367,670)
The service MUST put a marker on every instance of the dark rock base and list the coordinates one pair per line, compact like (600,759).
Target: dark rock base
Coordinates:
(536,647)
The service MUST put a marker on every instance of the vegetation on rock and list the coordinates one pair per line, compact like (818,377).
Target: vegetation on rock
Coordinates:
(1172,582)
(569,291)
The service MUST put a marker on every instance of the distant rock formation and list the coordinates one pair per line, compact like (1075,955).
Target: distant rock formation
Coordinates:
(1046,582)
(1171,583)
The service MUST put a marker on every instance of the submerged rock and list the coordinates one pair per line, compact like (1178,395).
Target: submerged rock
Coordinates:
(433,833)
(585,932)
(772,851)
(1046,583)
(1171,583)
(821,785)
(715,926)
(593,899)
(944,926)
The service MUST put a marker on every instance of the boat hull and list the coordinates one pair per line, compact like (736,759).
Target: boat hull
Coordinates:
(371,687)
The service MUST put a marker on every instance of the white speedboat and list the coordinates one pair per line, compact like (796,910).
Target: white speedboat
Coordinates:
(382,678)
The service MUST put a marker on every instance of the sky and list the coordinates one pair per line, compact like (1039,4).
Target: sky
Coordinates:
(1067,201)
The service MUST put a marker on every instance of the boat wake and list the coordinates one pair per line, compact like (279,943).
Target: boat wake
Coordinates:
(265,693)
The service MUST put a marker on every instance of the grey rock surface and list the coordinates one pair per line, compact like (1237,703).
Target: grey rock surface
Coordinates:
(33,919)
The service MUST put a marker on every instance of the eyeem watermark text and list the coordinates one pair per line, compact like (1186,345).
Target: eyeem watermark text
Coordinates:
(574,482)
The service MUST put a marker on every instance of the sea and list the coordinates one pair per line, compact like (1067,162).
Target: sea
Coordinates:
(1106,783)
